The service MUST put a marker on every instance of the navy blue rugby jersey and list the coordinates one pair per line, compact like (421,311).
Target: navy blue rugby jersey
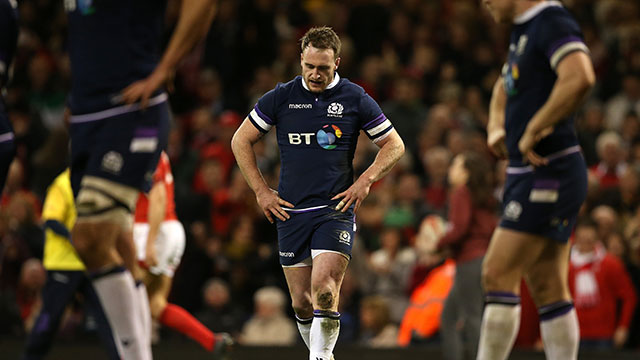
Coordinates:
(8,38)
(540,39)
(112,43)
(317,136)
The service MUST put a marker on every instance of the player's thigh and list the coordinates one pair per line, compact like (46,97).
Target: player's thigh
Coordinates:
(328,270)
(509,255)
(547,277)
(126,247)
(170,246)
(299,283)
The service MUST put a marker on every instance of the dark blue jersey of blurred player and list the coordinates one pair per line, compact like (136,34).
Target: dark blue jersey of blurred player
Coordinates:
(539,41)
(542,200)
(8,43)
(317,136)
(113,43)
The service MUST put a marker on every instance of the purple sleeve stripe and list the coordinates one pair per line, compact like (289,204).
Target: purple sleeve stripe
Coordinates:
(263,116)
(556,45)
(256,125)
(375,122)
(380,133)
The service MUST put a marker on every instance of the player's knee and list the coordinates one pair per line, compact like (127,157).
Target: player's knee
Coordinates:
(487,275)
(549,291)
(302,305)
(493,277)
(325,299)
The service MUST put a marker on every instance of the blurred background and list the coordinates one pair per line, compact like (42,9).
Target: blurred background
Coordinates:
(430,65)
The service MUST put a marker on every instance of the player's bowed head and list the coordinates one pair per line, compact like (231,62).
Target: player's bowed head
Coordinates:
(319,58)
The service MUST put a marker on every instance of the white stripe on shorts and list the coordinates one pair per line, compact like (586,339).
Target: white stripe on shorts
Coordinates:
(119,110)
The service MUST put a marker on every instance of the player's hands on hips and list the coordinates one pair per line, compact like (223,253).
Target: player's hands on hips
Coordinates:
(142,90)
(355,193)
(495,140)
(528,140)
(150,257)
(271,204)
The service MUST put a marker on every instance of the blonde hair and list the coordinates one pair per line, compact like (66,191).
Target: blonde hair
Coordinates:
(322,38)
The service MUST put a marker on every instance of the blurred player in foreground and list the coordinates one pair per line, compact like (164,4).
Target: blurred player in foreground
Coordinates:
(119,126)
(547,75)
(160,241)
(318,117)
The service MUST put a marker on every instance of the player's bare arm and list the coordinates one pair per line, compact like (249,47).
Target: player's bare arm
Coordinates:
(157,212)
(495,125)
(391,150)
(193,24)
(267,198)
(575,78)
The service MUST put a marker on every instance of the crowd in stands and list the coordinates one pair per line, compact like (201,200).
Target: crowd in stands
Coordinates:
(431,65)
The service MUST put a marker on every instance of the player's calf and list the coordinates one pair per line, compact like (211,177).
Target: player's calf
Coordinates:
(104,212)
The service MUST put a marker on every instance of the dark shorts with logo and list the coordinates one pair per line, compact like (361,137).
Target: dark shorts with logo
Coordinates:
(124,148)
(546,201)
(321,229)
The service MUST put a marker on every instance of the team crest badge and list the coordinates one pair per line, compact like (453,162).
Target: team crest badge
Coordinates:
(345,237)
(335,110)
(513,210)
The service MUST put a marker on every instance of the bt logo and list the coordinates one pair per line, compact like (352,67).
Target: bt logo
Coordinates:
(297,138)
(326,137)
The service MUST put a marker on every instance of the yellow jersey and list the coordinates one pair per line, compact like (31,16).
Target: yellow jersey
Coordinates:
(59,216)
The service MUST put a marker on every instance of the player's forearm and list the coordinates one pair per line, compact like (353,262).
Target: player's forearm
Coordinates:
(246,160)
(193,24)
(565,98)
(575,79)
(389,154)
(497,107)
(157,210)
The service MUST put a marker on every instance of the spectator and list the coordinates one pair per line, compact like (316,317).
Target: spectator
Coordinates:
(619,247)
(599,282)
(269,324)
(611,154)
(376,327)
(471,223)
(626,100)
(391,266)
(436,162)
(220,314)
(29,297)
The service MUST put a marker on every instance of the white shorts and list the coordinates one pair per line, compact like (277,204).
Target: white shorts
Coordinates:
(169,245)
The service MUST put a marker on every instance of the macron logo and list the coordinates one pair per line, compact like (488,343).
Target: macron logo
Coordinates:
(300,106)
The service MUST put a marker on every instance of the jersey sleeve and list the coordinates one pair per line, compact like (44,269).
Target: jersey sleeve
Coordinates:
(375,123)
(560,36)
(263,114)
